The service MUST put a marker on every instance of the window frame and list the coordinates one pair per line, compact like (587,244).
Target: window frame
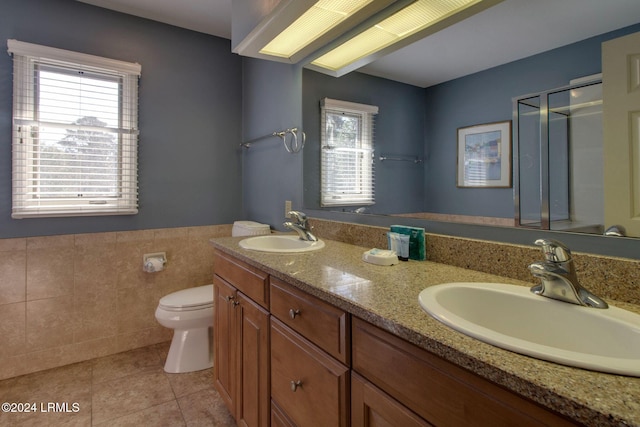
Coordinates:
(363,193)
(29,61)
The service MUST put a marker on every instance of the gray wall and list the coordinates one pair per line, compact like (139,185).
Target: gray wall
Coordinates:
(190,114)
(272,101)
(399,132)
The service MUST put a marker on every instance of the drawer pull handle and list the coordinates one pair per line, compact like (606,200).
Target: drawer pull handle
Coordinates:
(235,303)
(293,313)
(295,385)
(229,298)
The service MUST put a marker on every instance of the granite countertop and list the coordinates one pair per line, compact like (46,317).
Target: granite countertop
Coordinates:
(388,297)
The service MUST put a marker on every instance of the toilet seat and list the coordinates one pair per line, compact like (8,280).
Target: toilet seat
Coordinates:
(197,298)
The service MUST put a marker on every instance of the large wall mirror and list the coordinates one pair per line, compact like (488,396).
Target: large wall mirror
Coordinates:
(417,128)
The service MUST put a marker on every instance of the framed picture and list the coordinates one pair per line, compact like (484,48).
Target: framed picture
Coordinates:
(484,155)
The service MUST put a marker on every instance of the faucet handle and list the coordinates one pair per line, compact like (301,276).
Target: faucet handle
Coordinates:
(553,250)
(301,217)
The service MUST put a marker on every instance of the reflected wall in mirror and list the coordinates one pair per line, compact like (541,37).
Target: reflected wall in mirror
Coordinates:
(558,148)
(398,133)
(423,122)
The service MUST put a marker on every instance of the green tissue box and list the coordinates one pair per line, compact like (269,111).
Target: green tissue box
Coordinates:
(417,242)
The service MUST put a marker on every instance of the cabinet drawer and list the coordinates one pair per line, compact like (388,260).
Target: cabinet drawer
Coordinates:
(247,279)
(436,390)
(308,385)
(323,324)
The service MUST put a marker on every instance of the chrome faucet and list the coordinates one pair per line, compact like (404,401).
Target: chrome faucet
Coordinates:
(558,276)
(301,226)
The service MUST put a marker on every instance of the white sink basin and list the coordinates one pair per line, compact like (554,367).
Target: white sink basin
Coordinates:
(513,318)
(280,243)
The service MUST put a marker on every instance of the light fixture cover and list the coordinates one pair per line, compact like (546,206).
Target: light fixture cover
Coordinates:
(316,21)
(293,29)
(413,22)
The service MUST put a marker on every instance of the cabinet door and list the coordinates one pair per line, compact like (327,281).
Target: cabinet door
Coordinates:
(371,407)
(252,409)
(308,385)
(225,343)
(437,390)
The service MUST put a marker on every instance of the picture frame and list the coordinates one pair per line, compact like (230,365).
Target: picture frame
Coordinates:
(484,156)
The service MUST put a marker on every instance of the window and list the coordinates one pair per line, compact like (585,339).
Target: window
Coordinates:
(75,133)
(347,153)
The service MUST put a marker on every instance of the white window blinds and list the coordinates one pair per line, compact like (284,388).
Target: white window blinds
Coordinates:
(75,133)
(347,168)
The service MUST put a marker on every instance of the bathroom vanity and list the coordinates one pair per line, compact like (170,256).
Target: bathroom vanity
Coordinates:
(323,338)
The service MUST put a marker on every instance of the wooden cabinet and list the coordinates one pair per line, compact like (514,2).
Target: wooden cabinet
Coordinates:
(284,358)
(435,389)
(241,341)
(310,352)
(310,387)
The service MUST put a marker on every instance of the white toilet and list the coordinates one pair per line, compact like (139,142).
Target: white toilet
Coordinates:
(189,313)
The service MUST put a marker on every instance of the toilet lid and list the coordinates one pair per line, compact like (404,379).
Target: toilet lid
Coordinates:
(186,298)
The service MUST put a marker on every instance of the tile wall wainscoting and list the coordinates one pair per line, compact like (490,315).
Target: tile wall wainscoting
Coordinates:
(70,298)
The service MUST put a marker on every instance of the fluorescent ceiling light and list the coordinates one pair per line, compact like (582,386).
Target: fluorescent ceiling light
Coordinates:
(315,22)
(408,24)
(294,29)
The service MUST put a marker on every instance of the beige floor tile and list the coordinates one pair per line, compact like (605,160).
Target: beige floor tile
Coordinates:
(205,408)
(123,364)
(191,382)
(66,394)
(130,394)
(162,349)
(166,414)
(46,417)
(5,388)
(57,397)
(126,389)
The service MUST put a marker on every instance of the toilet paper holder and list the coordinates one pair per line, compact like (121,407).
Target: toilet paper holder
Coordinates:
(152,263)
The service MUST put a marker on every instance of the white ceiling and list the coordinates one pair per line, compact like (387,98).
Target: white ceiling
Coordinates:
(511,30)
(205,16)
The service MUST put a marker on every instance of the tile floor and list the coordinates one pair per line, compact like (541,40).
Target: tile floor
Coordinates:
(125,389)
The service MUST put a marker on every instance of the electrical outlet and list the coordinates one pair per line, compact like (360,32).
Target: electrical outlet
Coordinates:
(287,208)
